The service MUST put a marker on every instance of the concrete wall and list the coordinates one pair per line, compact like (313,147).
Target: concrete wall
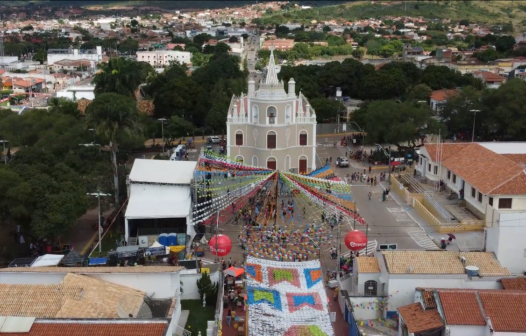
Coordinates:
(189,283)
(463,330)
(364,277)
(369,308)
(52,58)
(506,240)
(401,288)
(72,94)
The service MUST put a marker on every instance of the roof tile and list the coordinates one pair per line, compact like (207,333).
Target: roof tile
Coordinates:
(482,168)
(447,150)
(94,270)
(418,320)
(514,284)
(442,95)
(367,265)
(505,309)
(461,308)
(95,329)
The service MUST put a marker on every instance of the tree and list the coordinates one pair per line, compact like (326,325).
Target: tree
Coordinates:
(114,117)
(233,39)
(326,109)
(134,23)
(487,55)
(326,29)
(505,43)
(358,53)
(420,92)
(387,121)
(205,286)
(456,112)
(119,75)
(178,127)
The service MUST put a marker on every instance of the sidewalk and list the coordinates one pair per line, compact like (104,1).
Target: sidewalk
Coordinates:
(472,240)
(84,232)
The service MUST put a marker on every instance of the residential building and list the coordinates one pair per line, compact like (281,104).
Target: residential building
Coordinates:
(460,312)
(28,84)
(73,65)
(159,200)
(439,98)
(411,52)
(490,180)
(492,80)
(278,44)
(471,65)
(77,92)
(162,58)
(397,273)
(55,55)
(272,128)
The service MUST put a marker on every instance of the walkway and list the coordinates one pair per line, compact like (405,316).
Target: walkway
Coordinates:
(341,328)
(84,232)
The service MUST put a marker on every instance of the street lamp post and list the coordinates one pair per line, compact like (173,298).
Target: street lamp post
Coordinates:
(363,133)
(92,130)
(162,120)
(474,117)
(99,195)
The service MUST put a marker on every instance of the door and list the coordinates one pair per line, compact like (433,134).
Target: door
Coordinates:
(370,288)
(271,163)
(303,166)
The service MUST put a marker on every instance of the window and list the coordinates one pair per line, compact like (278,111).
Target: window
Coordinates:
(303,138)
(454,178)
(504,203)
(480,197)
(435,170)
(473,192)
(449,175)
(239,138)
(429,167)
(271,140)
(490,201)
(271,114)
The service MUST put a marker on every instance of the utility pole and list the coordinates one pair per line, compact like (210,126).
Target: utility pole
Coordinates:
(276,204)
(162,120)
(339,247)
(99,195)
(474,117)
(366,237)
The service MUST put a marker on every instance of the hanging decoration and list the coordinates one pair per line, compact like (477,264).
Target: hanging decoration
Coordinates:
(220,245)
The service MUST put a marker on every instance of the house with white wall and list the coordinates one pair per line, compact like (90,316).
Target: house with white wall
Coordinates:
(492,179)
(439,98)
(400,272)
(460,312)
(93,292)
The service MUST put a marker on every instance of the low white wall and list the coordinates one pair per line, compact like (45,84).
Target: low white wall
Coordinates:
(366,308)
(31,278)
(189,283)
(176,315)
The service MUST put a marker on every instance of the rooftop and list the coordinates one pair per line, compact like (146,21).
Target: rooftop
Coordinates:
(441,262)
(514,284)
(442,95)
(506,309)
(489,76)
(162,171)
(419,320)
(78,296)
(447,150)
(367,265)
(90,328)
(461,308)
(493,172)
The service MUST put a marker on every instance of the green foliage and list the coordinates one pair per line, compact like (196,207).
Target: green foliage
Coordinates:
(326,109)
(119,75)
(387,121)
(205,286)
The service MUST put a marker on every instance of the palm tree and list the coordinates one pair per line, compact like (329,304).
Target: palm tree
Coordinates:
(113,117)
(118,75)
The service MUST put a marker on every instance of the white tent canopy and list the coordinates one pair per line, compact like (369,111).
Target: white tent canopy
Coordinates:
(162,171)
(158,201)
(47,260)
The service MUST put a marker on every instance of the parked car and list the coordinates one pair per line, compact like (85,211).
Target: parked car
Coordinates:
(213,140)
(342,162)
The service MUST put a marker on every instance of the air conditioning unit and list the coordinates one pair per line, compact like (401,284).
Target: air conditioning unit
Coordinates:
(143,241)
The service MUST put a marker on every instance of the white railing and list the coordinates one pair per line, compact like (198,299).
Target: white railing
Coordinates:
(305,119)
(238,119)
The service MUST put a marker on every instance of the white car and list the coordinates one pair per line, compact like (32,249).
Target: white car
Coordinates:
(213,139)
(342,162)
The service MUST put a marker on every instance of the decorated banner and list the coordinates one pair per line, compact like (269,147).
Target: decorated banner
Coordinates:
(286,298)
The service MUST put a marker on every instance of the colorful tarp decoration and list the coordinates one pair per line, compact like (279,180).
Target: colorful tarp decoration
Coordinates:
(302,307)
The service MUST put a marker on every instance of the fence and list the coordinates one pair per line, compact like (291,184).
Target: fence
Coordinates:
(219,305)
(333,128)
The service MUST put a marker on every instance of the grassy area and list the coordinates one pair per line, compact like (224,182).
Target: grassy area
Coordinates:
(490,12)
(199,316)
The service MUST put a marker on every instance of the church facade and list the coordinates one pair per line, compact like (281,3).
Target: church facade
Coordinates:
(272,128)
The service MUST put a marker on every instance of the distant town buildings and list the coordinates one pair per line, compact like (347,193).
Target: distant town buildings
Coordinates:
(161,58)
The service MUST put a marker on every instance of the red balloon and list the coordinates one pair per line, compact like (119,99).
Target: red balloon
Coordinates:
(224,245)
(355,240)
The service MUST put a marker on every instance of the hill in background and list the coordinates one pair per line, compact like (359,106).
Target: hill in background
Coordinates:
(484,12)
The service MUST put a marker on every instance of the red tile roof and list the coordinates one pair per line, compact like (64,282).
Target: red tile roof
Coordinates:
(98,329)
(489,76)
(488,172)
(514,284)
(461,308)
(447,150)
(442,95)
(418,320)
(506,310)
(519,158)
